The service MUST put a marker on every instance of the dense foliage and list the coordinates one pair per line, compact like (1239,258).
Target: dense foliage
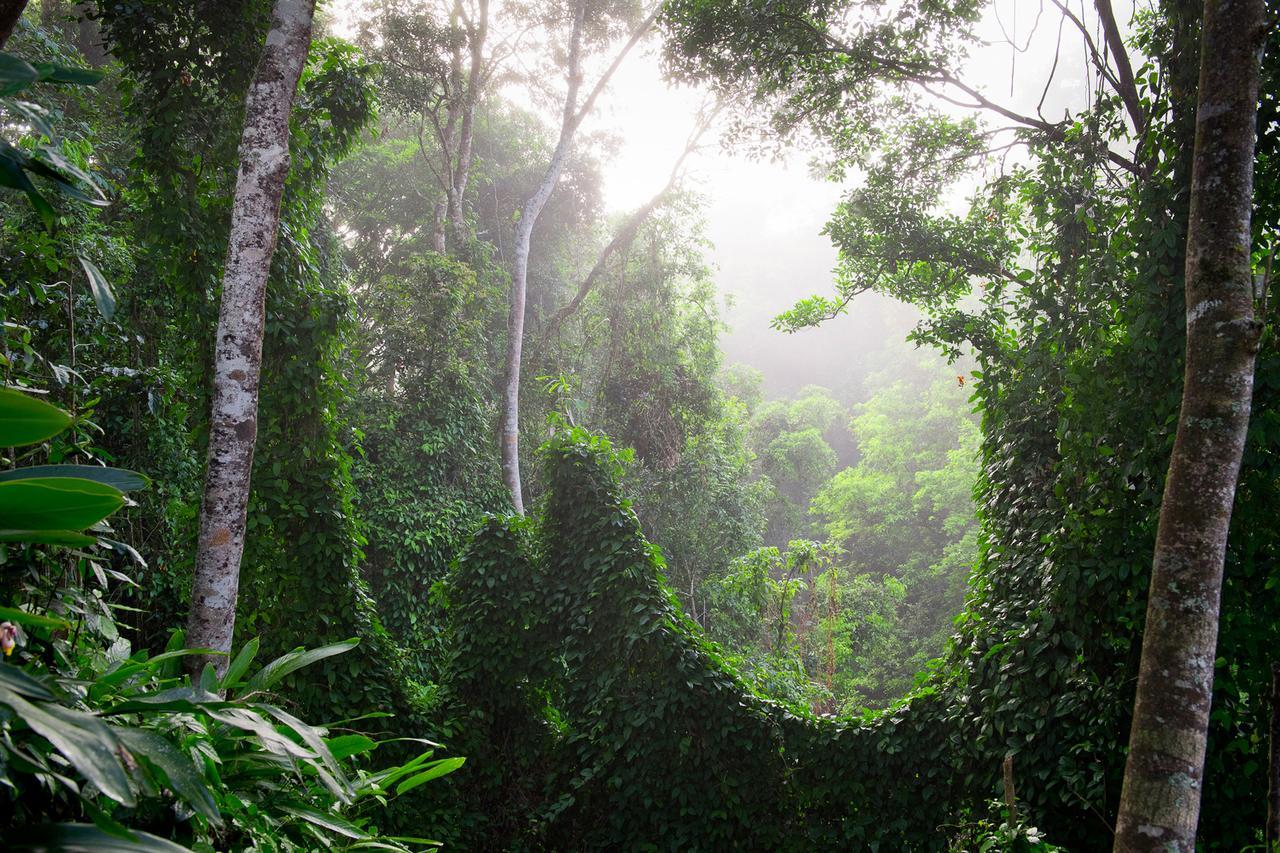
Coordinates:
(821,622)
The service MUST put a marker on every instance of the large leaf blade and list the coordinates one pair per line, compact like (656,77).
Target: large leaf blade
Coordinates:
(83,739)
(86,838)
(56,503)
(177,768)
(118,478)
(282,666)
(27,420)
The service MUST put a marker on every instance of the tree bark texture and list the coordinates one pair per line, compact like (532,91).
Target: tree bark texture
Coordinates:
(573,116)
(1160,799)
(10,13)
(510,438)
(233,428)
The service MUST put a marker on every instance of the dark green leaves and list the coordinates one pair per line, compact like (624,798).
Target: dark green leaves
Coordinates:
(84,740)
(17,74)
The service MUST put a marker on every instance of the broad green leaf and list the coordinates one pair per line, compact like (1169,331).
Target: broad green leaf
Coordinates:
(434,770)
(24,685)
(177,768)
(181,700)
(333,823)
(47,537)
(35,620)
(56,503)
(83,739)
(13,166)
(15,74)
(27,420)
(101,289)
(119,478)
(85,838)
(240,665)
(345,746)
(53,73)
(330,773)
(282,666)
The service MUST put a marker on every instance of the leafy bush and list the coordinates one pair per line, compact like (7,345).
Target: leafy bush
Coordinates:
(93,730)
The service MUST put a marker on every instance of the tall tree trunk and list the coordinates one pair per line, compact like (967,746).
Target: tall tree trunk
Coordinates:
(233,428)
(10,12)
(520,268)
(572,118)
(1160,800)
(477,33)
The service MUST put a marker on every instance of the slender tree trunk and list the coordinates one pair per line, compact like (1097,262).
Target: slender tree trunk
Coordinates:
(520,269)
(233,428)
(1160,799)
(573,116)
(10,12)
(477,32)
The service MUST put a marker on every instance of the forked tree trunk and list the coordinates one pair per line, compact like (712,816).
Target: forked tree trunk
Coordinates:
(572,118)
(233,427)
(1160,800)
(520,267)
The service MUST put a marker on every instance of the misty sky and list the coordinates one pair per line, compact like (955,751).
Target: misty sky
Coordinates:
(765,217)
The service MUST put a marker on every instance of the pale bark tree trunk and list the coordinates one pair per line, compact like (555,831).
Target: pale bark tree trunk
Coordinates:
(477,32)
(572,118)
(1160,799)
(625,236)
(10,13)
(233,428)
(455,135)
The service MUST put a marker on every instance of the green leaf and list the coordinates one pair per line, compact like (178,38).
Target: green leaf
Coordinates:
(239,666)
(101,289)
(47,537)
(333,823)
(15,74)
(53,73)
(434,770)
(345,746)
(85,838)
(57,503)
(293,661)
(177,768)
(27,420)
(83,739)
(118,478)
(22,684)
(35,620)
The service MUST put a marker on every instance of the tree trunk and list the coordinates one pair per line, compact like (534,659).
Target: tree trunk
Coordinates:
(233,427)
(477,32)
(10,13)
(1160,799)
(573,116)
(520,269)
